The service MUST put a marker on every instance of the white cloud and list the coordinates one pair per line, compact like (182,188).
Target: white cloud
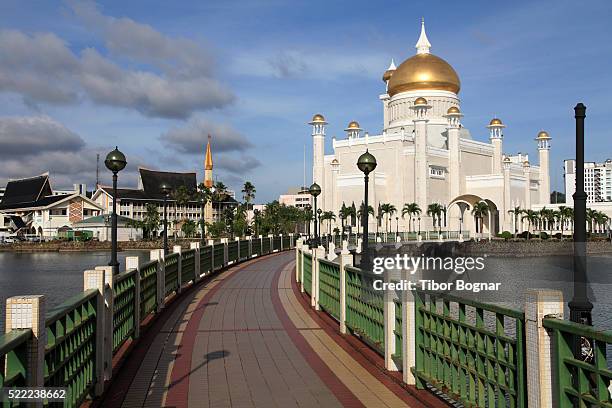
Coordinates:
(193,136)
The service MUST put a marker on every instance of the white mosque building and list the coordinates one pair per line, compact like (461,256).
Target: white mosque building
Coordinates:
(426,156)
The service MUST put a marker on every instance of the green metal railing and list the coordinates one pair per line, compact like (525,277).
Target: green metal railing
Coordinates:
(286,241)
(265,245)
(308,273)
(256,246)
(365,308)
(458,353)
(218,255)
(276,242)
(244,249)
(171,273)
(188,266)
(329,287)
(124,305)
(206,259)
(13,359)
(397,330)
(70,357)
(232,251)
(580,383)
(148,288)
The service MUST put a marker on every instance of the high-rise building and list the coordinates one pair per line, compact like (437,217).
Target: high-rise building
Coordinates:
(597,181)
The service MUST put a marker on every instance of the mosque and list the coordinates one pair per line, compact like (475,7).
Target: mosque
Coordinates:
(426,156)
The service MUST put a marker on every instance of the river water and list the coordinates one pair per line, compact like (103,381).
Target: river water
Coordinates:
(57,275)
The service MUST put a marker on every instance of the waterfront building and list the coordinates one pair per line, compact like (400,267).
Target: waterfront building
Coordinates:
(597,181)
(32,208)
(297,197)
(425,155)
(100,227)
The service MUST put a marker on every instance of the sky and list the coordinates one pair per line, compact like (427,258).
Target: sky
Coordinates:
(78,78)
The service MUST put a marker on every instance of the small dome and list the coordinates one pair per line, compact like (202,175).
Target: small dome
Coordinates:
(335,162)
(318,118)
(387,75)
(543,135)
(420,101)
(353,125)
(507,160)
(495,121)
(526,163)
(453,110)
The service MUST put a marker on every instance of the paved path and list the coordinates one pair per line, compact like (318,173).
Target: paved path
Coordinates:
(247,339)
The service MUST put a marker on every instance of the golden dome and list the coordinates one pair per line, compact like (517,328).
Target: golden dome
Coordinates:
(543,135)
(424,72)
(495,121)
(387,75)
(318,118)
(526,163)
(420,101)
(353,125)
(507,160)
(453,110)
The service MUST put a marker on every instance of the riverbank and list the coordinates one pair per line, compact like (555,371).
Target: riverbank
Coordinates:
(526,248)
(91,246)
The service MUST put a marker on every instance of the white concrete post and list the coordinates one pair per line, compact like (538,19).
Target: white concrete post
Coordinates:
(389,324)
(95,279)
(271,238)
(176,249)
(318,253)
(196,247)
(250,238)
(291,241)
(298,248)
(158,255)
(260,245)
(346,258)
(238,245)
(211,243)
(28,312)
(331,254)
(408,332)
(313,276)
(109,300)
(540,303)
(358,249)
(225,255)
(132,262)
(281,242)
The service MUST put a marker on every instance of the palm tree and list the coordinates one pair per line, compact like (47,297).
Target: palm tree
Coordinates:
(590,218)
(328,216)
(435,212)
(548,215)
(480,210)
(388,210)
(601,219)
(344,213)
(516,212)
(151,219)
(248,192)
(361,212)
(532,217)
(203,195)
(412,209)
(188,228)
(564,213)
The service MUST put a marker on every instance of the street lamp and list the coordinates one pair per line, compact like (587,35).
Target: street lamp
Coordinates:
(419,225)
(580,306)
(165,189)
(203,202)
(396,227)
(307,226)
(115,162)
(366,163)
(319,212)
(315,190)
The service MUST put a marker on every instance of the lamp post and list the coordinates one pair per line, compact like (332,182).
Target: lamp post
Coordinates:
(419,225)
(165,189)
(203,202)
(580,306)
(307,226)
(315,190)
(115,162)
(396,227)
(319,212)
(366,163)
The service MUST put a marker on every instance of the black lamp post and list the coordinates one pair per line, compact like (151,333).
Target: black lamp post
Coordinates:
(308,210)
(203,202)
(319,212)
(396,227)
(366,163)
(165,189)
(419,225)
(115,162)
(580,306)
(315,190)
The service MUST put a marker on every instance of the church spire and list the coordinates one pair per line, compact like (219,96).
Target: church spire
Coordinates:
(208,163)
(423,45)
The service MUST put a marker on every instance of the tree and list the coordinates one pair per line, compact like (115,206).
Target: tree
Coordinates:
(480,210)
(590,218)
(435,211)
(601,220)
(557,197)
(532,217)
(240,224)
(220,190)
(188,228)
(411,209)
(516,212)
(564,213)
(328,216)
(256,216)
(388,210)
(549,216)
(344,213)
(361,213)
(203,195)
(151,220)
(248,192)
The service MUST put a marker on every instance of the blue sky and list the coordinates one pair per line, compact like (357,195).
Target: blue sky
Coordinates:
(154,77)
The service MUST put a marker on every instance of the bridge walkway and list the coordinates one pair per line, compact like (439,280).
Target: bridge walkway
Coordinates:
(248,339)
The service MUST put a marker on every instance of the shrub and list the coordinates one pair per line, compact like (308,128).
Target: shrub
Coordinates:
(544,235)
(506,235)
(558,235)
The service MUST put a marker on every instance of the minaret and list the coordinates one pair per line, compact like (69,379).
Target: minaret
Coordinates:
(526,171)
(352,130)
(453,114)
(420,141)
(208,166)
(496,136)
(318,152)
(544,152)
(507,204)
(423,45)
